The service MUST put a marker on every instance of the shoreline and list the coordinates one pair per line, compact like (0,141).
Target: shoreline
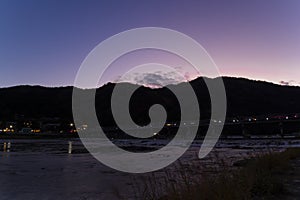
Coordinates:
(72,135)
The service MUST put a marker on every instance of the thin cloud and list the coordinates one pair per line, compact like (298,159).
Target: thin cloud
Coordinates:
(155,79)
(289,83)
(158,79)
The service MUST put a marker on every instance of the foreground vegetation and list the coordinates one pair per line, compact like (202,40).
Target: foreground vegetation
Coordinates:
(258,178)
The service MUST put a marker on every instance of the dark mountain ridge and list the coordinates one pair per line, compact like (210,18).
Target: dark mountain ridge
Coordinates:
(244,98)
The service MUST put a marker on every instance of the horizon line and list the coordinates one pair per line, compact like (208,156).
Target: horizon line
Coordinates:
(111,82)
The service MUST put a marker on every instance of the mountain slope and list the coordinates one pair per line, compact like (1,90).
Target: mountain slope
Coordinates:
(244,98)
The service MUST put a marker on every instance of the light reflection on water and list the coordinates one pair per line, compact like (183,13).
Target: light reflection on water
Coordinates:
(55,146)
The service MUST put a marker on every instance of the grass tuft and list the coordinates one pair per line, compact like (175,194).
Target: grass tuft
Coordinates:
(259,178)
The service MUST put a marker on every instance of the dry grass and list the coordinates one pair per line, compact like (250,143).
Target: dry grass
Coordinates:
(260,178)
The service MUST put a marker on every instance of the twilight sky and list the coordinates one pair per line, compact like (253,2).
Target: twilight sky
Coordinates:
(44,42)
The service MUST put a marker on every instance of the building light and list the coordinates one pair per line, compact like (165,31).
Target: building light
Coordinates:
(35,130)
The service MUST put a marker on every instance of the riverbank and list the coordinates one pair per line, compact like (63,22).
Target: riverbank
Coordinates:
(44,168)
(75,135)
(37,136)
(274,175)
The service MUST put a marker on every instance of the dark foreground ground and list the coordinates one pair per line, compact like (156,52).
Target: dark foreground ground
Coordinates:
(43,169)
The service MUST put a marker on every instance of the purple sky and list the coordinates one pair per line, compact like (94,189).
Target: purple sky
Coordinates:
(44,42)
